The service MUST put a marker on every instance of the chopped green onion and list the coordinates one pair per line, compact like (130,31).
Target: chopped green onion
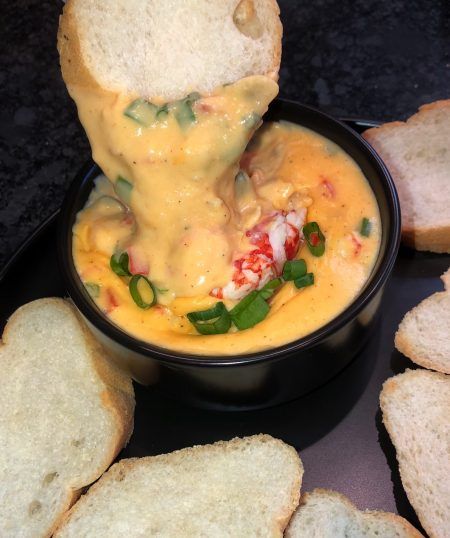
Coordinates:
(251,120)
(253,308)
(215,320)
(366,227)
(123,189)
(119,264)
(184,113)
(162,112)
(93,289)
(304,281)
(268,290)
(142,291)
(249,311)
(314,238)
(142,111)
(294,269)
(146,113)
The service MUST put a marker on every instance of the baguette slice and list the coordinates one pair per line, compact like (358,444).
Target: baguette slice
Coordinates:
(167,48)
(65,414)
(416,413)
(417,153)
(328,514)
(244,487)
(424,333)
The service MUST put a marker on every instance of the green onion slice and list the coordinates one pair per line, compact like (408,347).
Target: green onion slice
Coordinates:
(251,120)
(253,308)
(142,291)
(184,113)
(269,289)
(314,238)
(249,311)
(123,189)
(304,281)
(215,320)
(294,269)
(93,289)
(142,112)
(366,227)
(119,264)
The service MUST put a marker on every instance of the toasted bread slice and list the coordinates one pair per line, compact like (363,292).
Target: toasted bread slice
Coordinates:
(424,333)
(65,414)
(328,514)
(168,48)
(417,153)
(244,487)
(416,413)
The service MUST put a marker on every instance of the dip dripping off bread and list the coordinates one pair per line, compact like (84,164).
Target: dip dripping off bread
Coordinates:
(417,153)
(65,415)
(424,333)
(416,413)
(167,48)
(328,514)
(244,487)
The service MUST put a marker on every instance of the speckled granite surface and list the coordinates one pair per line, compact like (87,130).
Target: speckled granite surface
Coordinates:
(378,59)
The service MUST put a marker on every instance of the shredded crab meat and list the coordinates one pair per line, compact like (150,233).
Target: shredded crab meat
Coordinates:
(277,238)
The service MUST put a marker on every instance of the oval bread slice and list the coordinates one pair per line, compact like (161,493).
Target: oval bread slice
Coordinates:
(417,153)
(424,333)
(168,48)
(244,487)
(328,514)
(65,414)
(416,413)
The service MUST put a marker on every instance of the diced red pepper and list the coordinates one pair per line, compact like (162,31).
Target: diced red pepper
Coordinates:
(111,301)
(138,265)
(356,244)
(328,189)
(314,239)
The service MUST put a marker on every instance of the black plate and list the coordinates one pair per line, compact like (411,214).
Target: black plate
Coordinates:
(337,428)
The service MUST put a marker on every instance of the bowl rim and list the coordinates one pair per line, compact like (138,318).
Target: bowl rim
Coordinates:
(373,285)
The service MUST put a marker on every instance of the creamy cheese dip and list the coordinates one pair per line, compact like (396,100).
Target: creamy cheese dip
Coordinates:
(191,216)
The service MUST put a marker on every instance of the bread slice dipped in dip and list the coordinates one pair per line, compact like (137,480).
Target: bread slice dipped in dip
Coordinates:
(202,236)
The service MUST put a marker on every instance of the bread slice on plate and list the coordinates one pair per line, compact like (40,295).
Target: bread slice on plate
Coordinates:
(168,48)
(244,487)
(424,333)
(65,414)
(327,514)
(416,413)
(417,153)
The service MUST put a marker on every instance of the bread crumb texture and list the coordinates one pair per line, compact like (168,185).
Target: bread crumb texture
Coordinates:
(168,48)
(328,514)
(424,333)
(417,154)
(416,413)
(244,487)
(56,435)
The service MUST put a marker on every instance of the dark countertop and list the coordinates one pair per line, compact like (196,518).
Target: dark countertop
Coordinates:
(377,59)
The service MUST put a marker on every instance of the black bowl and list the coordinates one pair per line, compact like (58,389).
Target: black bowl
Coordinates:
(268,377)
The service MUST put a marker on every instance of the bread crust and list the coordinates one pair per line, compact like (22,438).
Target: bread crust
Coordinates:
(390,386)
(117,397)
(409,530)
(75,71)
(430,238)
(120,469)
(406,345)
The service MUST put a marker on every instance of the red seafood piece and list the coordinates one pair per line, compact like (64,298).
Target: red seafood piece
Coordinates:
(277,237)
(138,264)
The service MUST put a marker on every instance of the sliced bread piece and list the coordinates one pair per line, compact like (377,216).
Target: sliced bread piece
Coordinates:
(424,333)
(416,413)
(168,48)
(417,153)
(244,487)
(327,514)
(65,414)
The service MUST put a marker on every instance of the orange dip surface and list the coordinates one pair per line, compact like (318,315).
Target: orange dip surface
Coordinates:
(185,216)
